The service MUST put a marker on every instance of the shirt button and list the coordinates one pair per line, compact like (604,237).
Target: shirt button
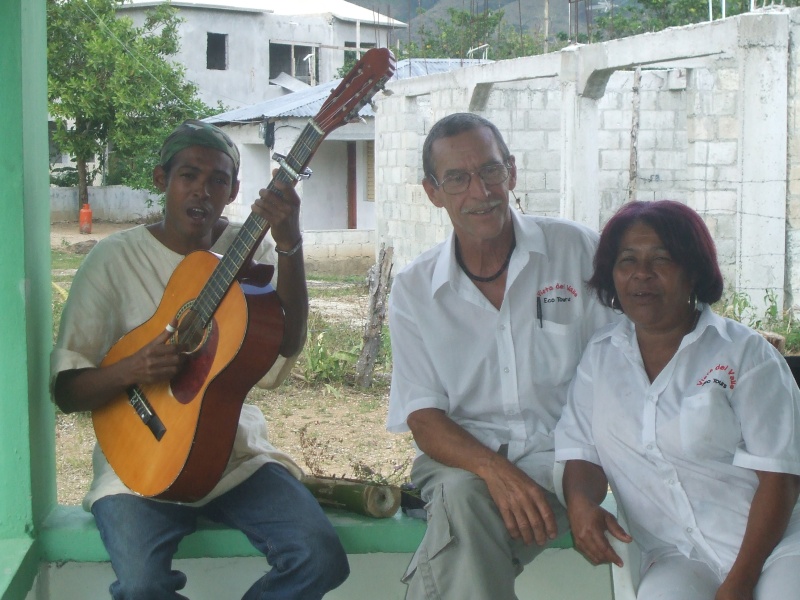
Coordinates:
(506,370)
(502,327)
(689,530)
(671,482)
(649,446)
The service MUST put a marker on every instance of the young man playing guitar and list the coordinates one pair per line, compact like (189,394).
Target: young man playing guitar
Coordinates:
(117,289)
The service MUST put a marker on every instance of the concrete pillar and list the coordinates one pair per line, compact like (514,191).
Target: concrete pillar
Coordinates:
(579,155)
(763,73)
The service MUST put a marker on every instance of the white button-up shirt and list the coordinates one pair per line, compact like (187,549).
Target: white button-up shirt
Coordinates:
(502,374)
(680,452)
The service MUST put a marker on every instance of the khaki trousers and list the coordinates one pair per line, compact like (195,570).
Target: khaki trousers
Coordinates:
(467,552)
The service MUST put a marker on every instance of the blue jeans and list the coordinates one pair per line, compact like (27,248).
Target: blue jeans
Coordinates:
(275,511)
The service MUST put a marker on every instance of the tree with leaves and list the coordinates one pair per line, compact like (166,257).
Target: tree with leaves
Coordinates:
(113,92)
(640,16)
(466,30)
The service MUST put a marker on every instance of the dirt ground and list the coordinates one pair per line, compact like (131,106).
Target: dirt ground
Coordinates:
(328,430)
(64,234)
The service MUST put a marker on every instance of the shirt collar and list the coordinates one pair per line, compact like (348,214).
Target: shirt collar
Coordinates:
(529,236)
(623,333)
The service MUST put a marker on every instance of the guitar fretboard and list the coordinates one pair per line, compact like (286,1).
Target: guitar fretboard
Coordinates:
(253,230)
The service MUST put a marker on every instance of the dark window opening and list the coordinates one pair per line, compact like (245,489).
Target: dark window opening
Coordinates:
(301,62)
(217,51)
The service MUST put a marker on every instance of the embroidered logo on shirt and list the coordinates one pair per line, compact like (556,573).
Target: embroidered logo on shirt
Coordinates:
(722,375)
(564,292)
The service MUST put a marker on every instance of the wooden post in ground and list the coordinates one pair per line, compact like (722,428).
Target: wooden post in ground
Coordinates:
(379,275)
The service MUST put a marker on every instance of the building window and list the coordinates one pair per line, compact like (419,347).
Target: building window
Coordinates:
(217,51)
(301,62)
(351,56)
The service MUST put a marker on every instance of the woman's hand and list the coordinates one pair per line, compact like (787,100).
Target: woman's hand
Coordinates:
(589,523)
(585,486)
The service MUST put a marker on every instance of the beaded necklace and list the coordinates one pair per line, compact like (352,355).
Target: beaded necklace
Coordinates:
(478,278)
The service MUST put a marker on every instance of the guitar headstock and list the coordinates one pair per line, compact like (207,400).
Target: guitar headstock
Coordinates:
(357,88)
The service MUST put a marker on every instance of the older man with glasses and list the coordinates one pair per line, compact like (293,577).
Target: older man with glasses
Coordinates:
(487,329)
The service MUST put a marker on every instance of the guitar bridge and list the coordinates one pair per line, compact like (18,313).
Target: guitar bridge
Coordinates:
(145,411)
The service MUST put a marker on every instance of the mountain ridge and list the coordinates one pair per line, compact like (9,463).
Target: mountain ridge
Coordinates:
(528,13)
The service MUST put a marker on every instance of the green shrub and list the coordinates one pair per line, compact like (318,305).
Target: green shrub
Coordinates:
(739,307)
(331,351)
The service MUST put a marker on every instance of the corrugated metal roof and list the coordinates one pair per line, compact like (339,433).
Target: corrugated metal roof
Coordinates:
(307,103)
(290,83)
(339,8)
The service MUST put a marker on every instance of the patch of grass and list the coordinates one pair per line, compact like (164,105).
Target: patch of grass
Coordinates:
(340,279)
(340,289)
(65,260)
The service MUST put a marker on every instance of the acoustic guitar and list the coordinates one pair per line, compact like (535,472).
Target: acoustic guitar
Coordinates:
(172,440)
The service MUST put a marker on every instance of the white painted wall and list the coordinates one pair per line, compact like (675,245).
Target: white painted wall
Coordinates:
(326,190)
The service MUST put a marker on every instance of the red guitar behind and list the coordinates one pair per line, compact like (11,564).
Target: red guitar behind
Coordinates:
(172,440)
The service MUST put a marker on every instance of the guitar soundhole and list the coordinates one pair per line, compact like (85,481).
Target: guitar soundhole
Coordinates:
(191,334)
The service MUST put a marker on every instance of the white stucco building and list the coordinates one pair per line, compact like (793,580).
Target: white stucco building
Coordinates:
(239,52)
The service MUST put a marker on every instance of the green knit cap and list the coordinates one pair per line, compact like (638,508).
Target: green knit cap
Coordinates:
(198,133)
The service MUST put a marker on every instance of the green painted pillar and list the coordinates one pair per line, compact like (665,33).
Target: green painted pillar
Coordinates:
(27,466)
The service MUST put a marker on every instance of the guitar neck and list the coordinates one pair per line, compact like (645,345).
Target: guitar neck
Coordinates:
(255,227)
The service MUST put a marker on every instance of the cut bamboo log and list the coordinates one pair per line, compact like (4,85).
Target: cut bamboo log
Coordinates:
(361,497)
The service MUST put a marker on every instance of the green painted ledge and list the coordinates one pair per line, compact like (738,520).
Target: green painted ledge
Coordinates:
(19,563)
(69,534)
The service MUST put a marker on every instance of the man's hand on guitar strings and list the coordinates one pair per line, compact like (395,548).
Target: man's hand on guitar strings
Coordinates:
(157,361)
(282,212)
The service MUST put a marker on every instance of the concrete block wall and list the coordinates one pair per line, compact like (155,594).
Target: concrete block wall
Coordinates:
(529,116)
(339,251)
(661,140)
(715,102)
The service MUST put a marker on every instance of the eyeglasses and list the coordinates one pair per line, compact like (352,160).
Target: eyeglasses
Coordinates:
(459,182)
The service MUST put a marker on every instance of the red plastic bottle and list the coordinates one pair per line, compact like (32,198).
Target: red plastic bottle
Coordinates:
(85,219)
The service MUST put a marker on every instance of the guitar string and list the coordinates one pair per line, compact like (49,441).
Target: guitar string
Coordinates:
(222,276)
(212,293)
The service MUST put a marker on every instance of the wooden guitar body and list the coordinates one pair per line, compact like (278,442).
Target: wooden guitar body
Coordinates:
(199,408)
